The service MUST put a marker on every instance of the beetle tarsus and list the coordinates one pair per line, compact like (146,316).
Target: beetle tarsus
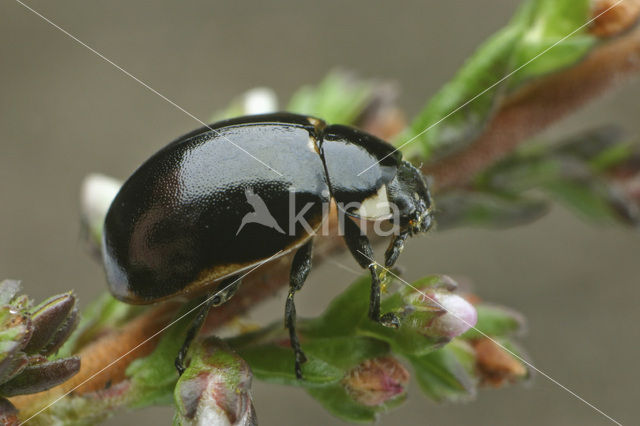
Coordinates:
(179,363)
(300,268)
(360,248)
(389,320)
(196,324)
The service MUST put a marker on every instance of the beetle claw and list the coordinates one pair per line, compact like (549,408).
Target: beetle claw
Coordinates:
(390,320)
(179,366)
(301,358)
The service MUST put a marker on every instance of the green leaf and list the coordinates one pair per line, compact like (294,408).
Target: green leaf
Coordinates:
(587,172)
(337,401)
(446,374)
(495,321)
(536,164)
(153,377)
(345,352)
(338,99)
(328,359)
(584,198)
(15,331)
(431,134)
(611,156)
(543,47)
(524,170)
(344,312)
(525,49)
(275,364)
(404,340)
(347,315)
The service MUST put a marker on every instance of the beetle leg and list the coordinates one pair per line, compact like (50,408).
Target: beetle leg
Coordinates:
(300,268)
(360,248)
(215,298)
(394,249)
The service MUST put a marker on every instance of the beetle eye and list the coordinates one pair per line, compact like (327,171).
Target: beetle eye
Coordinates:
(217,300)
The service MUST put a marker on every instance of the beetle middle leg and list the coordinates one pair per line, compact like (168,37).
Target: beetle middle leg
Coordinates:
(360,248)
(300,268)
(221,294)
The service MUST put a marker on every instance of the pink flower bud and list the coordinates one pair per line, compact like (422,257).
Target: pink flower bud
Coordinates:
(376,381)
(459,315)
(435,310)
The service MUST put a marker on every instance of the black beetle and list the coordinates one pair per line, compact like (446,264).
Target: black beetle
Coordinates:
(179,223)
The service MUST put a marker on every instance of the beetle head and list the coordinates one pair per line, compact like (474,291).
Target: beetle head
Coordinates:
(410,193)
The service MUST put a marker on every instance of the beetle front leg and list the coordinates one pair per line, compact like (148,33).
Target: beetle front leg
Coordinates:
(394,249)
(300,268)
(360,248)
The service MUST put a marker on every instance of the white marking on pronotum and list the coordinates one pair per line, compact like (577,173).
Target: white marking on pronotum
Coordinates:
(376,206)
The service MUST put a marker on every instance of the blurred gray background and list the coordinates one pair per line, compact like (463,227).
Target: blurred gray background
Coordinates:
(64,113)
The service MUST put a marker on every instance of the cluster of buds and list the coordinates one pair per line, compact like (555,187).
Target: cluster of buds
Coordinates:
(28,335)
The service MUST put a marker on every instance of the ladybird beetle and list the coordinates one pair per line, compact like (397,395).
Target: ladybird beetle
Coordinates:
(203,209)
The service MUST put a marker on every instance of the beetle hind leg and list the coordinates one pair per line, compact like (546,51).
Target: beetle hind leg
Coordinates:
(300,268)
(225,290)
(360,248)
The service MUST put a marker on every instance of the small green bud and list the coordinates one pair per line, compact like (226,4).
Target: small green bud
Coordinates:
(41,376)
(53,321)
(215,388)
